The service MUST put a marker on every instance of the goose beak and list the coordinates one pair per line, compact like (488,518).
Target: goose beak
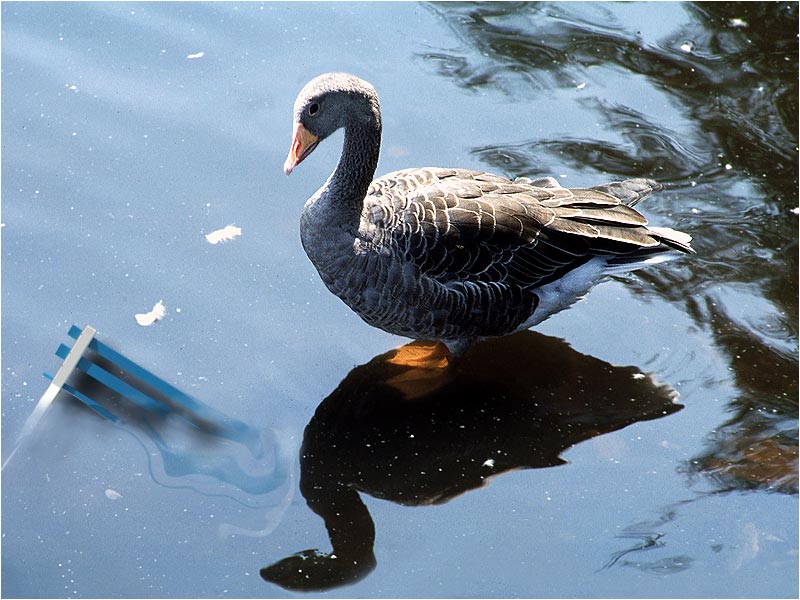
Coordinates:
(303,144)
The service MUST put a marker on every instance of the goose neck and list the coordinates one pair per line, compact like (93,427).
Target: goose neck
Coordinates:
(356,167)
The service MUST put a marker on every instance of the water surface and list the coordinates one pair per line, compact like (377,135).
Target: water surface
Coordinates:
(642,444)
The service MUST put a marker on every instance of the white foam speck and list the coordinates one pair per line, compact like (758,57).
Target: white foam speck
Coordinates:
(113,494)
(225,234)
(147,319)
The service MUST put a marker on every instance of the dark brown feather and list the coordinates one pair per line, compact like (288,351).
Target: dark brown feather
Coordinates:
(460,225)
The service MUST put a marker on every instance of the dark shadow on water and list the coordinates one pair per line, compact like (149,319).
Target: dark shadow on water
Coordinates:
(730,69)
(756,448)
(419,436)
(739,80)
(731,169)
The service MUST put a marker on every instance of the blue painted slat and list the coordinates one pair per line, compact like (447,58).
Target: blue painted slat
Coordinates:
(113,382)
(237,430)
(86,400)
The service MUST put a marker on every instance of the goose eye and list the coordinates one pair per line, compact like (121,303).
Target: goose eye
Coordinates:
(313,109)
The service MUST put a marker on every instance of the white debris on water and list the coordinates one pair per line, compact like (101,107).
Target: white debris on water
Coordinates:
(581,86)
(195,55)
(225,234)
(113,494)
(737,22)
(796,211)
(147,319)
(687,47)
(489,462)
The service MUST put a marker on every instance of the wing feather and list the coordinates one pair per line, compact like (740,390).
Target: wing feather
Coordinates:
(467,226)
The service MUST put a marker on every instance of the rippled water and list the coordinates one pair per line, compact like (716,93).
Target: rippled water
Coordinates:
(642,444)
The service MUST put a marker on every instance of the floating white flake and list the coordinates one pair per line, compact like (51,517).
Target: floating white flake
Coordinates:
(796,211)
(489,462)
(223,235)
(581,86)
(113,494)
(736,22)
(687,47)
(195,55)
(158,312)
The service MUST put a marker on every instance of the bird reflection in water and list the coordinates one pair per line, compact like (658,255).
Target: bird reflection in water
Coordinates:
(409,428)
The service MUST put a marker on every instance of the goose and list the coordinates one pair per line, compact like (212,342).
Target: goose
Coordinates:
(456,255)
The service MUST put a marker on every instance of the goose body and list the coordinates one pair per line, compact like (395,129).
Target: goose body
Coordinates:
(452,254)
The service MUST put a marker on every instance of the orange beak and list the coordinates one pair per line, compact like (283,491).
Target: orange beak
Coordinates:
(303,144)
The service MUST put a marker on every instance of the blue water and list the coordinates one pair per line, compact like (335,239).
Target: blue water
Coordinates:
(641,444)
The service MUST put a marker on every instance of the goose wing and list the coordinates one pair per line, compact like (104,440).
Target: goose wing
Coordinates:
(460,225)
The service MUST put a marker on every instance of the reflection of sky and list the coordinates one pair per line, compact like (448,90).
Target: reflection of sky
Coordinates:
(100,225)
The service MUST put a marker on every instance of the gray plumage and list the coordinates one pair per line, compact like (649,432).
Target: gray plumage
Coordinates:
(452,254)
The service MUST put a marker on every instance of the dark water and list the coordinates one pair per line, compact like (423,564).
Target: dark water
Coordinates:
(642,444)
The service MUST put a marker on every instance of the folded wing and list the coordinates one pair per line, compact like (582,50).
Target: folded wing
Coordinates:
(460,225)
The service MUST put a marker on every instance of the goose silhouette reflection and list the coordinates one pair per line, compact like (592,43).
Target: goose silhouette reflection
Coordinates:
(416,434)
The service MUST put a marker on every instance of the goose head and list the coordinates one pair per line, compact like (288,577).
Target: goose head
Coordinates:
(327,103)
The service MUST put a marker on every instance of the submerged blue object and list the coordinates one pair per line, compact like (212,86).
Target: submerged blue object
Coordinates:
(228,428)
(193,412)
(86,400)
(71,360)
(114,383)
(188,443)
